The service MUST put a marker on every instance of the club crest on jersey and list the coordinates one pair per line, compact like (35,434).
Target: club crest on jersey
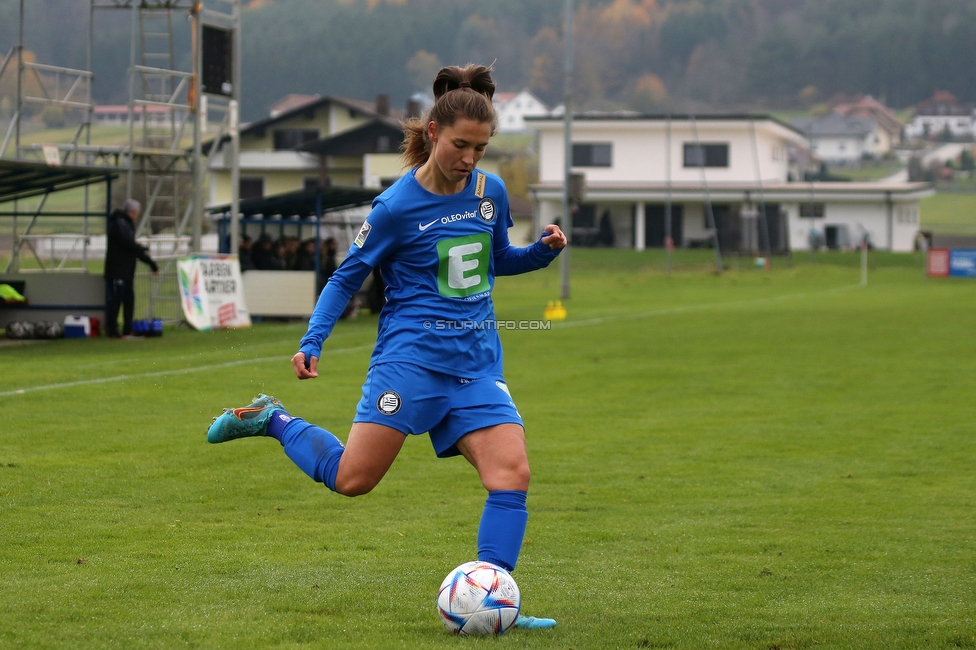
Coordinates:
(389,402)
(486,210)
(363,234)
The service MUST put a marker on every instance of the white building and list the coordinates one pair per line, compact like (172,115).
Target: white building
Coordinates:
(942,114)
(118,115)
(843,139)
(735,166)
(513,108)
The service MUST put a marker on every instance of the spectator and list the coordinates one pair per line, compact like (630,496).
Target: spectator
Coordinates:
(328,262)
(244,254)
(290,253)
(305,258)
(264,255)
(280,261)
(121,253)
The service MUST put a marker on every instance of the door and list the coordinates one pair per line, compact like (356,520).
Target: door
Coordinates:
(729,227)
(654,225)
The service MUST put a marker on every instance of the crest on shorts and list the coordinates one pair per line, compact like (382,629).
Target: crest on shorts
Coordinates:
(486,210)
(363,234)
(389,402)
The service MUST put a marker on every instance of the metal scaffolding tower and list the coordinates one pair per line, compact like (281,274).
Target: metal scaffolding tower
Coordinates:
(169,110)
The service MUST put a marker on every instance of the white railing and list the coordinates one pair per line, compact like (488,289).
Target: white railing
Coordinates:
(54,252)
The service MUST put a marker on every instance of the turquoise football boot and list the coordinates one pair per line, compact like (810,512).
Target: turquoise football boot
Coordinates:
(246,421)
(533,623)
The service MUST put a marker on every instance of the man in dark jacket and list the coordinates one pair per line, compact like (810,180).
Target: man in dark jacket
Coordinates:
(121,254)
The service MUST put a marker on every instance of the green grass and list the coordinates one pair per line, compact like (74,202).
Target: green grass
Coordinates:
(753,460)
(949,213)
(868,171)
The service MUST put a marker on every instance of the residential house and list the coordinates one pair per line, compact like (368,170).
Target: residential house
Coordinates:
(513,108)
(842,139)
(942,115)
(867,106)
(270,160)
(738,168)
(290,102)
(313,141)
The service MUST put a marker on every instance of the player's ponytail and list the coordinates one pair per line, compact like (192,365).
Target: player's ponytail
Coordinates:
(459,93)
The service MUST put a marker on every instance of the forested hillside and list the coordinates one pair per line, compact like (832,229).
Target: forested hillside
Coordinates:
(642,54)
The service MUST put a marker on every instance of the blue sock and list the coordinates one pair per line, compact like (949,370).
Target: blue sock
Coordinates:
(277,423)
(312,448)
(502,528)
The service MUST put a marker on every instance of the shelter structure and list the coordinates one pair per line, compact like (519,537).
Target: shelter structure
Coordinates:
(55,293)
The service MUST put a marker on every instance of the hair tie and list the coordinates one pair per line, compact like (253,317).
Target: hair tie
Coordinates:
(464,84)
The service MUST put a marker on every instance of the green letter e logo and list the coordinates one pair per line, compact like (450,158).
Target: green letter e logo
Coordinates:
(463,269)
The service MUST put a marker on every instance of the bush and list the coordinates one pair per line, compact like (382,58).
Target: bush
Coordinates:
(53,116)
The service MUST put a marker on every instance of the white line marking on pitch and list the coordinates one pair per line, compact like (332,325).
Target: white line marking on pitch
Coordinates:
(162,373)
(716,305)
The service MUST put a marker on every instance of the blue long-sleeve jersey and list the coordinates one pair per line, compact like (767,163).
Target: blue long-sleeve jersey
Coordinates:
(439,256)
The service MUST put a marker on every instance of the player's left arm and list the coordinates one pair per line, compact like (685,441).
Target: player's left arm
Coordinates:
(512,260)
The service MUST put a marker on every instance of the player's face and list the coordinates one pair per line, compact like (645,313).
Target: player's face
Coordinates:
(456,149)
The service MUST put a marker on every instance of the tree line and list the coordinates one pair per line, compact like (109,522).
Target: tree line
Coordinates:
(647,55)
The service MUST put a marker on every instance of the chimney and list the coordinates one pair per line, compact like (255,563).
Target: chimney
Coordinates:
(383,105)
(413,108)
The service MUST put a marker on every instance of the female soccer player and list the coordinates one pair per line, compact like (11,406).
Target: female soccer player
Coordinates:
(439,236)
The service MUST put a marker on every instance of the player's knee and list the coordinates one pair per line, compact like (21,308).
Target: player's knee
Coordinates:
(354,486)
(522,476)
(509,477)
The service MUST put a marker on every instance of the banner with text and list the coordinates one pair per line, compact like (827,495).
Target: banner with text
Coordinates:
(211,292)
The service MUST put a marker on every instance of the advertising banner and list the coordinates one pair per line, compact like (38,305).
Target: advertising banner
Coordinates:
(211,292)
(962,263)
(938,263)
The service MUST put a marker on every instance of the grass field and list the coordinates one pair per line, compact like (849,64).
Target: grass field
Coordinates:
(757,460)
(950,213)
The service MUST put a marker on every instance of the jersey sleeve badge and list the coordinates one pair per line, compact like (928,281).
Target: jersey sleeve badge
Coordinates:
(363,234)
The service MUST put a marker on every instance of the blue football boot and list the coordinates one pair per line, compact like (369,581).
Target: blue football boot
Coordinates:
(533,623)
(246,421)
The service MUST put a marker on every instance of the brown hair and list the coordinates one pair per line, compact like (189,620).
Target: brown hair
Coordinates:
(459,93)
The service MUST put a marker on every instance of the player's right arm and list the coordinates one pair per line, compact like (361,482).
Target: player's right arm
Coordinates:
(331,303)
(375,241)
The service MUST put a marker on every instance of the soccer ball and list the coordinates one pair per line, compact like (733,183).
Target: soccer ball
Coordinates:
(478,598)
(20,329)
(48,330)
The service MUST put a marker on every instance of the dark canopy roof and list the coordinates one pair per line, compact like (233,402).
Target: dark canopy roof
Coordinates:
(377,136)
(20,179)
(303,203)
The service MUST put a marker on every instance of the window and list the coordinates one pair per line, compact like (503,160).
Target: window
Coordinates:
(251,188)
(286,139)
(596,154)
(706,155)
(310,183)
(812,210)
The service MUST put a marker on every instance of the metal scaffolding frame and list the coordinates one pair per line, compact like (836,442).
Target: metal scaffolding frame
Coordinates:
(168,109)
(165,102)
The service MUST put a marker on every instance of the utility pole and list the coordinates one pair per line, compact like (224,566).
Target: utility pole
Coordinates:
(568,136)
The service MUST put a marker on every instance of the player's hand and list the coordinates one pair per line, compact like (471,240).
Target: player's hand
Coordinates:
(298,364)
(553,237)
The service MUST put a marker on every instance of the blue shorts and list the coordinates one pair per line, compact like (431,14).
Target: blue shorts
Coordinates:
(415,400)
